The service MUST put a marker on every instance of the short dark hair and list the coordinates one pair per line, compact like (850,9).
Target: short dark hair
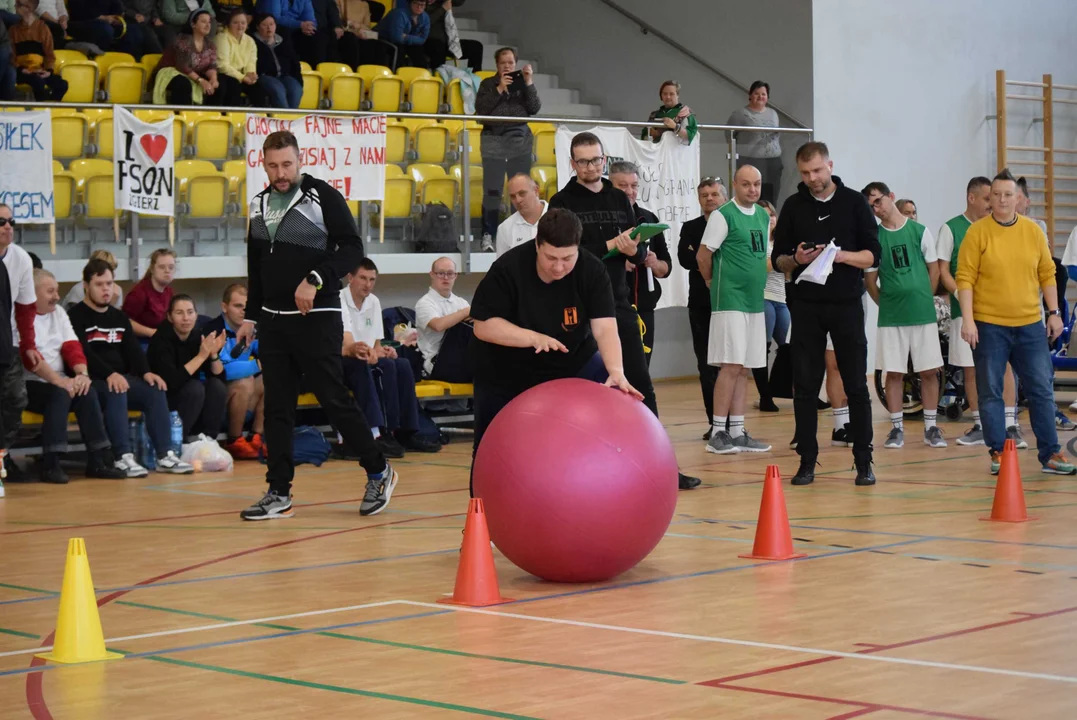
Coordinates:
(35,261)
(232,290)
(96,267)
(758,84)
(879,187)
(502,51)
(559,228)
(279,140)
(810,149)
(366,264)
(1022,185)
(1004,174)
(581,140)
(977,182)
(182,297)
(669,83)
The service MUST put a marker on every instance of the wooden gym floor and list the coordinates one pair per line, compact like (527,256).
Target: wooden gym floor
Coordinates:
(907,604)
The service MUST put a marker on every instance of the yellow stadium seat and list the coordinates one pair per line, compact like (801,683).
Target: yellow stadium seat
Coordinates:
(407,74)
(454,97)
(396,142)
(434,184)
(63,193)
(84,168)
(104,62)
(81,80)
(483,74)
(386,94)
(235,171)
(187,169)
(239,126)
(207,195)
(369,72)
(543,174)
(429,139)
(312,91)
(97,193)
(94,116)
(474,173)
(550,189)
(69,135)
(345,91)
(212,137)
(241,197)
(424,94)
(399,197)
(328,69)
(304,66)
(545,142)
(65,56)
(149,61)
(125,82)
(395,171)
(106,136)
(57,167)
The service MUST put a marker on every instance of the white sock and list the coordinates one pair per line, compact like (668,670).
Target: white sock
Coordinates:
(975,417)
(898,420)
(376,432)
(718,423)
(736,426)
(929,418)
(1011,416)
(841,417)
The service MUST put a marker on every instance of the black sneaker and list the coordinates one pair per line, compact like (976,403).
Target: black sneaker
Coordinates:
(805,473)
(379,490)
(767,405)
(414,441)
(101,464)
(389,446)
(51,472)
(840,438)
(864,473)
(707,435)
(13,474)
(270,507)
(687,482)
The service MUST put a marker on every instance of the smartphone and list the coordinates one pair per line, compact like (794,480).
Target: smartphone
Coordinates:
(238,349)
(517,78)
(809,246)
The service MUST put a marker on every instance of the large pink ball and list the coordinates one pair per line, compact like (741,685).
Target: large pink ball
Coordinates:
(579,481)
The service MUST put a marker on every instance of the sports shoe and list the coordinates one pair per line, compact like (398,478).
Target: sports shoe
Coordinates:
(974,436)
(707,435)
(793,443)
(805,473)
(241,449)
(746,443)
(1063,423)
(255,441)
(864,474)
(1057,464)
(996,462)
(417,443)
(767,405)
(895,439)
(379,490)
(99,464)
(1014,433)
(721,444)
(389,447)
(933,437)
(271,507)
(13,473)
(840,437)
(128,465)
(687,482)
(487,243)
(172,464)
(51,472)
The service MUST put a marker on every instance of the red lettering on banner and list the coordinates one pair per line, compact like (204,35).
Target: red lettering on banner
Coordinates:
(347,156)
(371,156)
(254,158)
(336,182)
(322,126)
(326,157)
(347,187)
(257,125)
(369,125)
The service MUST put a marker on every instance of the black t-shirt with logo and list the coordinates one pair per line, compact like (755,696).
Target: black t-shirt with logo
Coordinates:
(562,309)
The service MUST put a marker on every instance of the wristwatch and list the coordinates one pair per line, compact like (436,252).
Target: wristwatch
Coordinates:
(1057,313)
(314,280)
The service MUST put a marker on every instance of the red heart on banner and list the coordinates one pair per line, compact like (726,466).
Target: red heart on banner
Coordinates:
(154,145)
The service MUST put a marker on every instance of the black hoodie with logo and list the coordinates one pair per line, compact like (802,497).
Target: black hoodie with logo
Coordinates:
(844,218)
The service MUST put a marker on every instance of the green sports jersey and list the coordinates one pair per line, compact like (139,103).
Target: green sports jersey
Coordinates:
(958,227)
(740,264)
(904,284)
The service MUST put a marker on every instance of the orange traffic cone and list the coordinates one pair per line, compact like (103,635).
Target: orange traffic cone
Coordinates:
(476,578)
(1009,505)
(773,539)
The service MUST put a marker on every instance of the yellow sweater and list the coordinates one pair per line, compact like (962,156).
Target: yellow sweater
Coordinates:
(236,58)
(1005,267)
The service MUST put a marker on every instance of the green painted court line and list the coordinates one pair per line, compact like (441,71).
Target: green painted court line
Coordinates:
(27,589)
(19,633)
(340,689)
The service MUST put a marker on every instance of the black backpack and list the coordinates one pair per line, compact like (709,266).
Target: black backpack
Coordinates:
(436,233)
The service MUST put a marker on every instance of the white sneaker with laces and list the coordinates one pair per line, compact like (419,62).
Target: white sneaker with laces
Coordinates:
(172,464)
(129,465)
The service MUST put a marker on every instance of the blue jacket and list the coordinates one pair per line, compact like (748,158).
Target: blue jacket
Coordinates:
(399,23)
(234,368)
(287,13)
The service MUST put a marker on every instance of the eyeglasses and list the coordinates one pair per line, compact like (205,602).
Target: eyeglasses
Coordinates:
(7,221)
(446,274)
(710,180)
(590,162)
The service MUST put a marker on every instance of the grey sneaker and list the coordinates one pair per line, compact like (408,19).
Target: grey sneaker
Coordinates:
(271,507)
(487,244)
(933,437)
(1014,433)
(129,465)
(379,490)
(895,439)
(172,464)
(974,436)
(746,443)
(721,444)
(1063,423)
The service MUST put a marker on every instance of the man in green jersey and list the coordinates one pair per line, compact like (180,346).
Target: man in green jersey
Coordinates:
(733,260)
(903,286)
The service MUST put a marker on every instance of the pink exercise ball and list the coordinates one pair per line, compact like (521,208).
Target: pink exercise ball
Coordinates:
(579,481)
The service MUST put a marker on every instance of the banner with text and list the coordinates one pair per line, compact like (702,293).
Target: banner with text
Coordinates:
(346,152)
(26,166)
(668,175)
(145,165)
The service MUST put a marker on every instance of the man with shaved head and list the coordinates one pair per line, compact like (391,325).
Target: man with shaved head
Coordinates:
(522,225)
(733,260)
(444,334)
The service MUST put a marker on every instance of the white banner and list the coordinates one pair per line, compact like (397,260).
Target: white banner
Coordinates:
(145,164)
(668,176)
(26,166)
(346,152)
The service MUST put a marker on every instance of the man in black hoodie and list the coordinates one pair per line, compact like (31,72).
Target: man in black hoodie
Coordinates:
(302,241)
(608,220)
(824,210)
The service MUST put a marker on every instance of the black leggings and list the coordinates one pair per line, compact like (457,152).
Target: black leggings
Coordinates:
(201,406)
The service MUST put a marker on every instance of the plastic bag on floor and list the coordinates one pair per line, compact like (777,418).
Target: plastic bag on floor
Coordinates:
(206,456)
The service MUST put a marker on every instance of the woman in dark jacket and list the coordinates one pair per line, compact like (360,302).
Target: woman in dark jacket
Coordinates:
(279,74)
(439,45)
(179,355)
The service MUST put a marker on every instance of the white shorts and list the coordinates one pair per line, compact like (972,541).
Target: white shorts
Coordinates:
(960,351)
(894,345)
(737,338)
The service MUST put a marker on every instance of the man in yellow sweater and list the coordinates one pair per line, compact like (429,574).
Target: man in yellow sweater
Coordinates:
(1002,267)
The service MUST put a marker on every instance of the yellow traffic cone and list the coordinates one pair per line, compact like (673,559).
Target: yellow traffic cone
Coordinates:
(78,627)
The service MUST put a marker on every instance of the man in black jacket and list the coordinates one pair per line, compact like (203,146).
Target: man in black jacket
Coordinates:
(712,195)
(302,241)
(823,211)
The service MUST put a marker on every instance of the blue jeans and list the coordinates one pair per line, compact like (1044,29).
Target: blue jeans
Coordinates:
(397,396)
(139,396)
(776,316)
(1025,348)
(282,92)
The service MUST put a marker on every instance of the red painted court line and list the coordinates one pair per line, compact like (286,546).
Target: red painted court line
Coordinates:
(35,696)
(201,515)
(853,714)
(976,487)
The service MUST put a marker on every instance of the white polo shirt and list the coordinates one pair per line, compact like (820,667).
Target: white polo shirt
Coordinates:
(51,331)
(516,231)
(364,323)
(431,307)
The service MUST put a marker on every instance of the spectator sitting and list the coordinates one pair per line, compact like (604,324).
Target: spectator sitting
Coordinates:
(78,292)
(225,9)
(180,355)
(120,374)
(295,19)
(407,26)
(54,13)
(175,17)
(237,63)
(322,44)
(445,40)
(148,301)
(242,376)
(142,15)
(60,383)
(102,23)
(359,45)
(676,116)
(34,57)
(363,353)
(521,226)
(187,72)
(445,332)
(280,75)
(7,66)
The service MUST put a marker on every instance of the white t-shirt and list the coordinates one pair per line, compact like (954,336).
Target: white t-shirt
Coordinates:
(1070,256)
(431,307)
(51,331)
(364,323)
(516,231)
(20,272)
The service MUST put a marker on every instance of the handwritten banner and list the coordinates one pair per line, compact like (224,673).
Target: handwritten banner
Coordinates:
(26,166)
(144,176)
(668,176)
(346,152)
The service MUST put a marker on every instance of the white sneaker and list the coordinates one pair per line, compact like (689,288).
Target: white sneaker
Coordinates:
(1,489)
(172,464)
(1073,406)
(128,464)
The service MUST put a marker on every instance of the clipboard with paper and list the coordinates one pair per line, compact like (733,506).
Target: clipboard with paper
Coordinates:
(819,269)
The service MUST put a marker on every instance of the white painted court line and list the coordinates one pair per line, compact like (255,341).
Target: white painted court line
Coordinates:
(750,643)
